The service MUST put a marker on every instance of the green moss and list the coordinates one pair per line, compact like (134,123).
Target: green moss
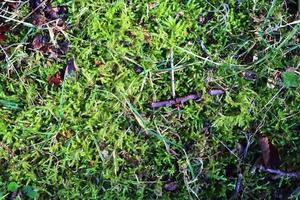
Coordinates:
(95,136)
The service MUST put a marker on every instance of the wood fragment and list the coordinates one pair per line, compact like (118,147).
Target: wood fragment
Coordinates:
(179,100)
(269,152)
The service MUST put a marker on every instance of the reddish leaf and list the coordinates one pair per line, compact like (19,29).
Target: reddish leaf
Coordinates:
(55,79)
(2,37)
(98,63)
(4,29)
(12,6)
(269,152)
(38,42)
(171,186)
(39,19)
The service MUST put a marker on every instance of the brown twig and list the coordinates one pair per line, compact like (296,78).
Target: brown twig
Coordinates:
(279,172)
(179,100)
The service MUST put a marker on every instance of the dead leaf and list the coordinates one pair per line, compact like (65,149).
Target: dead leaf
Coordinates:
(71,68)
(269,152)
(55,79)
(38,42)
(129,158)
(3,31)
(39,19)
(249,75)
(152,5)
(147,36)
(98,63)
(201,20)
(2,37)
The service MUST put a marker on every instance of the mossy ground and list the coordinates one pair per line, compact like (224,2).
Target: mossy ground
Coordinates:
(95,136)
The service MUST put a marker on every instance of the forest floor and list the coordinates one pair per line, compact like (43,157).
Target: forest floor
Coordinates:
(129,99)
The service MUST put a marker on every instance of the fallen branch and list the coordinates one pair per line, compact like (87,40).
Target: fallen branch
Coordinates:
(280,173)
(175,101)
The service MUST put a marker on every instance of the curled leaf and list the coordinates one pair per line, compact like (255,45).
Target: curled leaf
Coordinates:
(71,68)
(269,152)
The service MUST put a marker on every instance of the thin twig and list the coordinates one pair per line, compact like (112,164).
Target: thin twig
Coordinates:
(179,100)
(38,7)
(280,173)
(172,74)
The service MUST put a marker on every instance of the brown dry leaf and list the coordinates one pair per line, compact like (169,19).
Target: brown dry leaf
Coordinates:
(258,19)
(152,5)
(147,36)
(3,30)
(98,63)
(55,79)
(269,152)
(67,134)
(125,155)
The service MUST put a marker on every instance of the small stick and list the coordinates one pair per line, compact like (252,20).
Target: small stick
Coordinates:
(238,184)
(179,100)
(215,91)
(280,173)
